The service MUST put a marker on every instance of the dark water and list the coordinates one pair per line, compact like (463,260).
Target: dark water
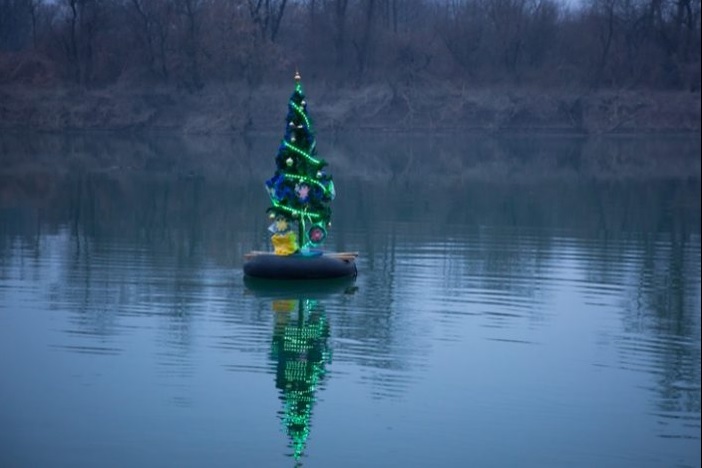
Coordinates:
(530,302)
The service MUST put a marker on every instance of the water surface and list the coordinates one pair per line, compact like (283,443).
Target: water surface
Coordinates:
(521,301)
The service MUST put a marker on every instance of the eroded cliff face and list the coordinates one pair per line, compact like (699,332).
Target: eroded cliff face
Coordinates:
(224,109)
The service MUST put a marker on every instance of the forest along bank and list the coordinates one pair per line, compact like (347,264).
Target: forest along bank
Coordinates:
(225,109)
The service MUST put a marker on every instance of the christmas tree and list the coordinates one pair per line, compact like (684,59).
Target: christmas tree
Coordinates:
(301,353)
(301,191)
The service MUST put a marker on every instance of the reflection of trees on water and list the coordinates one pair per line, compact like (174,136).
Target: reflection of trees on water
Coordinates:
(155,212)
(427,158)
(379,334)
(504,238)
(585,207)
(662,324)
(301,352)
(177,206)
(177,155)
(643,250)
(441,158)
(116,249)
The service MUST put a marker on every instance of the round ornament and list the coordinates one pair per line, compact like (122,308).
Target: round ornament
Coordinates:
(289,162)
(317,234)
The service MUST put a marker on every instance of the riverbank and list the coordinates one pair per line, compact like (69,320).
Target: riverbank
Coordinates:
(231,109)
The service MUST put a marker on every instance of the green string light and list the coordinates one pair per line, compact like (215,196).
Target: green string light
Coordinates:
(294,211)
(302,351)
(301,111)
(300,152)
(309,180)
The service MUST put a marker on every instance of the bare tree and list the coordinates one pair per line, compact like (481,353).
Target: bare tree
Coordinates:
(267,15)
(191,12)
(612,43)
(361,45)
(152,22)
(34,7)
(339,8)
(14,24)
(461,28)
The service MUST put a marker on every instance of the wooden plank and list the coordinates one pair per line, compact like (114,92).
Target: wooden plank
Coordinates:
(340,255)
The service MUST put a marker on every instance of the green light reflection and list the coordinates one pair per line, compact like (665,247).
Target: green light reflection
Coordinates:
(301,353)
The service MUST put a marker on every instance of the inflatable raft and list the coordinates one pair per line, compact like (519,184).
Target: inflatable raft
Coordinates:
(300,267)
(319,289)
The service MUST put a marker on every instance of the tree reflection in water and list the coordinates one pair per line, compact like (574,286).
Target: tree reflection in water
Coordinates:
(301,353)
(300,346)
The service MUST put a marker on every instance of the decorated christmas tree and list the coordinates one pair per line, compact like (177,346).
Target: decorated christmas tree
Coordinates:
(301,353)
(301,190)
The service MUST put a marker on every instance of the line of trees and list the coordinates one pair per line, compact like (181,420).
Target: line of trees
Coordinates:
(651,44)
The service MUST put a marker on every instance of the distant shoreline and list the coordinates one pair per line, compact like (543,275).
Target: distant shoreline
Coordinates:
(231,109)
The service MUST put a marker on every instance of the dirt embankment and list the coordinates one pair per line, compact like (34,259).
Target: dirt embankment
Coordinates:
(227,109)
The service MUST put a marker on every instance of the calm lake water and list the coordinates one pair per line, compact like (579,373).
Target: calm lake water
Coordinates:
(521,302)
